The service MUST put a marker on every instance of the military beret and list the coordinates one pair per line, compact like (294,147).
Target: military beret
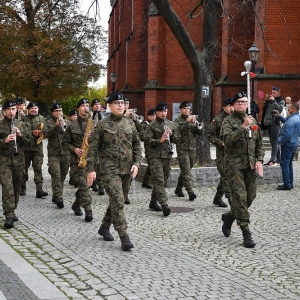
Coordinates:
(184,104)
(239,95)
(19,101)
(227,102)
(9,103)
(54,106)
(72,113)
(32,104)
(151,112)
(82,101)
(161,106)
(126,99)
(95,101)
(115,96)
(275,88)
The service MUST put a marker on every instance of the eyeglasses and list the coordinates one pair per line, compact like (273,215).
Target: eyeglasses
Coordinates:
(241,101)
(119,103)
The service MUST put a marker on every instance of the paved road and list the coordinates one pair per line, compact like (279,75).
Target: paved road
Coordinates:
(183,256)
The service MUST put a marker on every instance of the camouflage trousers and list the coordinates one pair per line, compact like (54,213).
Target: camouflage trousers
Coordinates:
(58,167)
(36,158)
(117,187)
(186,163)
(147,174)
(99,179)
(160,172)
(242,185)
(83,196)
(223,187)
(11,185)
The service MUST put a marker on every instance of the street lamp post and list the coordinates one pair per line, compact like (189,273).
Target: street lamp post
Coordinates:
(113,79)
(253,55)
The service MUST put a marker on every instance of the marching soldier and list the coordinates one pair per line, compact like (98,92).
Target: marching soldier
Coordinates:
(115,140)
(188,129)
(73,140)
(58,157)
(13,140)
(34,153)
(214,138)
(72,116)
(160,135)
(20,109)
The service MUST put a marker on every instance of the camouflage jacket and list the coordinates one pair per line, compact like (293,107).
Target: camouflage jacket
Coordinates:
(144,126)
(241,152)
(188,134)
(31,123)
(54,133)
(73,136)
(213,135)
(116,142)
(152,137)
(7,150)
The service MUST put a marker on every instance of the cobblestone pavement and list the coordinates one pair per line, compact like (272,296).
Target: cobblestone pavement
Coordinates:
(182,256)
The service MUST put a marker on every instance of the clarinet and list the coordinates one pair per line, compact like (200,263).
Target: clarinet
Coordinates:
(170,146)
(16,152)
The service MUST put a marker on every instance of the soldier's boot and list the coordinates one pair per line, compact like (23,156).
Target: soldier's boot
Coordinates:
(15,218)
(227,223)
(179,192)
(192,196)
(154,205)
(77,210)
(127,201)
(248,241)
(126,243)
(88,215)
(59,202)
(101,191)
(147,185)
(9,222)
(95,187)
(104,231)
(40,193)
(53,200)
(71,181)
(23,191)
(219,202)
(166,209)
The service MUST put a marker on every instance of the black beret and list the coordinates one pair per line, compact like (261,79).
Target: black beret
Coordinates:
(161,106)
(54,106)
(19,101)
(72,113)
(115,96)
(32,104)
(239,95)
(227,102)
(184,104)
(95,101)
(151,112)
(9,103)
(126,99)
(82,101)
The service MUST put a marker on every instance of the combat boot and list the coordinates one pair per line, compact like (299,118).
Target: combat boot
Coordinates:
(95,187)
(104,231)
(88,215)
(101,191)
(192,196)
(40,193)
(15,218)
(166,210)
(126,243)
(9,222)
(147,185)
(154,205)
(227,223)
(219,202)
(248,241)
(71,181)
(59,202)
(127,201)
(179,192)
(77,210)
(23,191)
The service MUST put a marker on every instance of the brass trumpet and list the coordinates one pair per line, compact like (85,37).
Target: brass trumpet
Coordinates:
(38,139)
(136,117)
(62,122)
(197,124)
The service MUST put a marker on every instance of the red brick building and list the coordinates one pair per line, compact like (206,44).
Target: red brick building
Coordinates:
(151,67)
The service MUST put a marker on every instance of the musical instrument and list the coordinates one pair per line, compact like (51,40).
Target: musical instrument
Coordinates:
(13,131)
(38,139)
(21,114)
(85,143)
(137,117)
(197,124)
(170,146)
(62,122)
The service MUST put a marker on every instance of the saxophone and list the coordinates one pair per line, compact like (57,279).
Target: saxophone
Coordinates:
(85,143)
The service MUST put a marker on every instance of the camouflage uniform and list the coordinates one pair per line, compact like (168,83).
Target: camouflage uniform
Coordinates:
(116,142)
(72,139)
(12,166)
(240,156)
(58,157)
(33,153)
(214,137)
(147,175)
(186,151)
(160,158)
